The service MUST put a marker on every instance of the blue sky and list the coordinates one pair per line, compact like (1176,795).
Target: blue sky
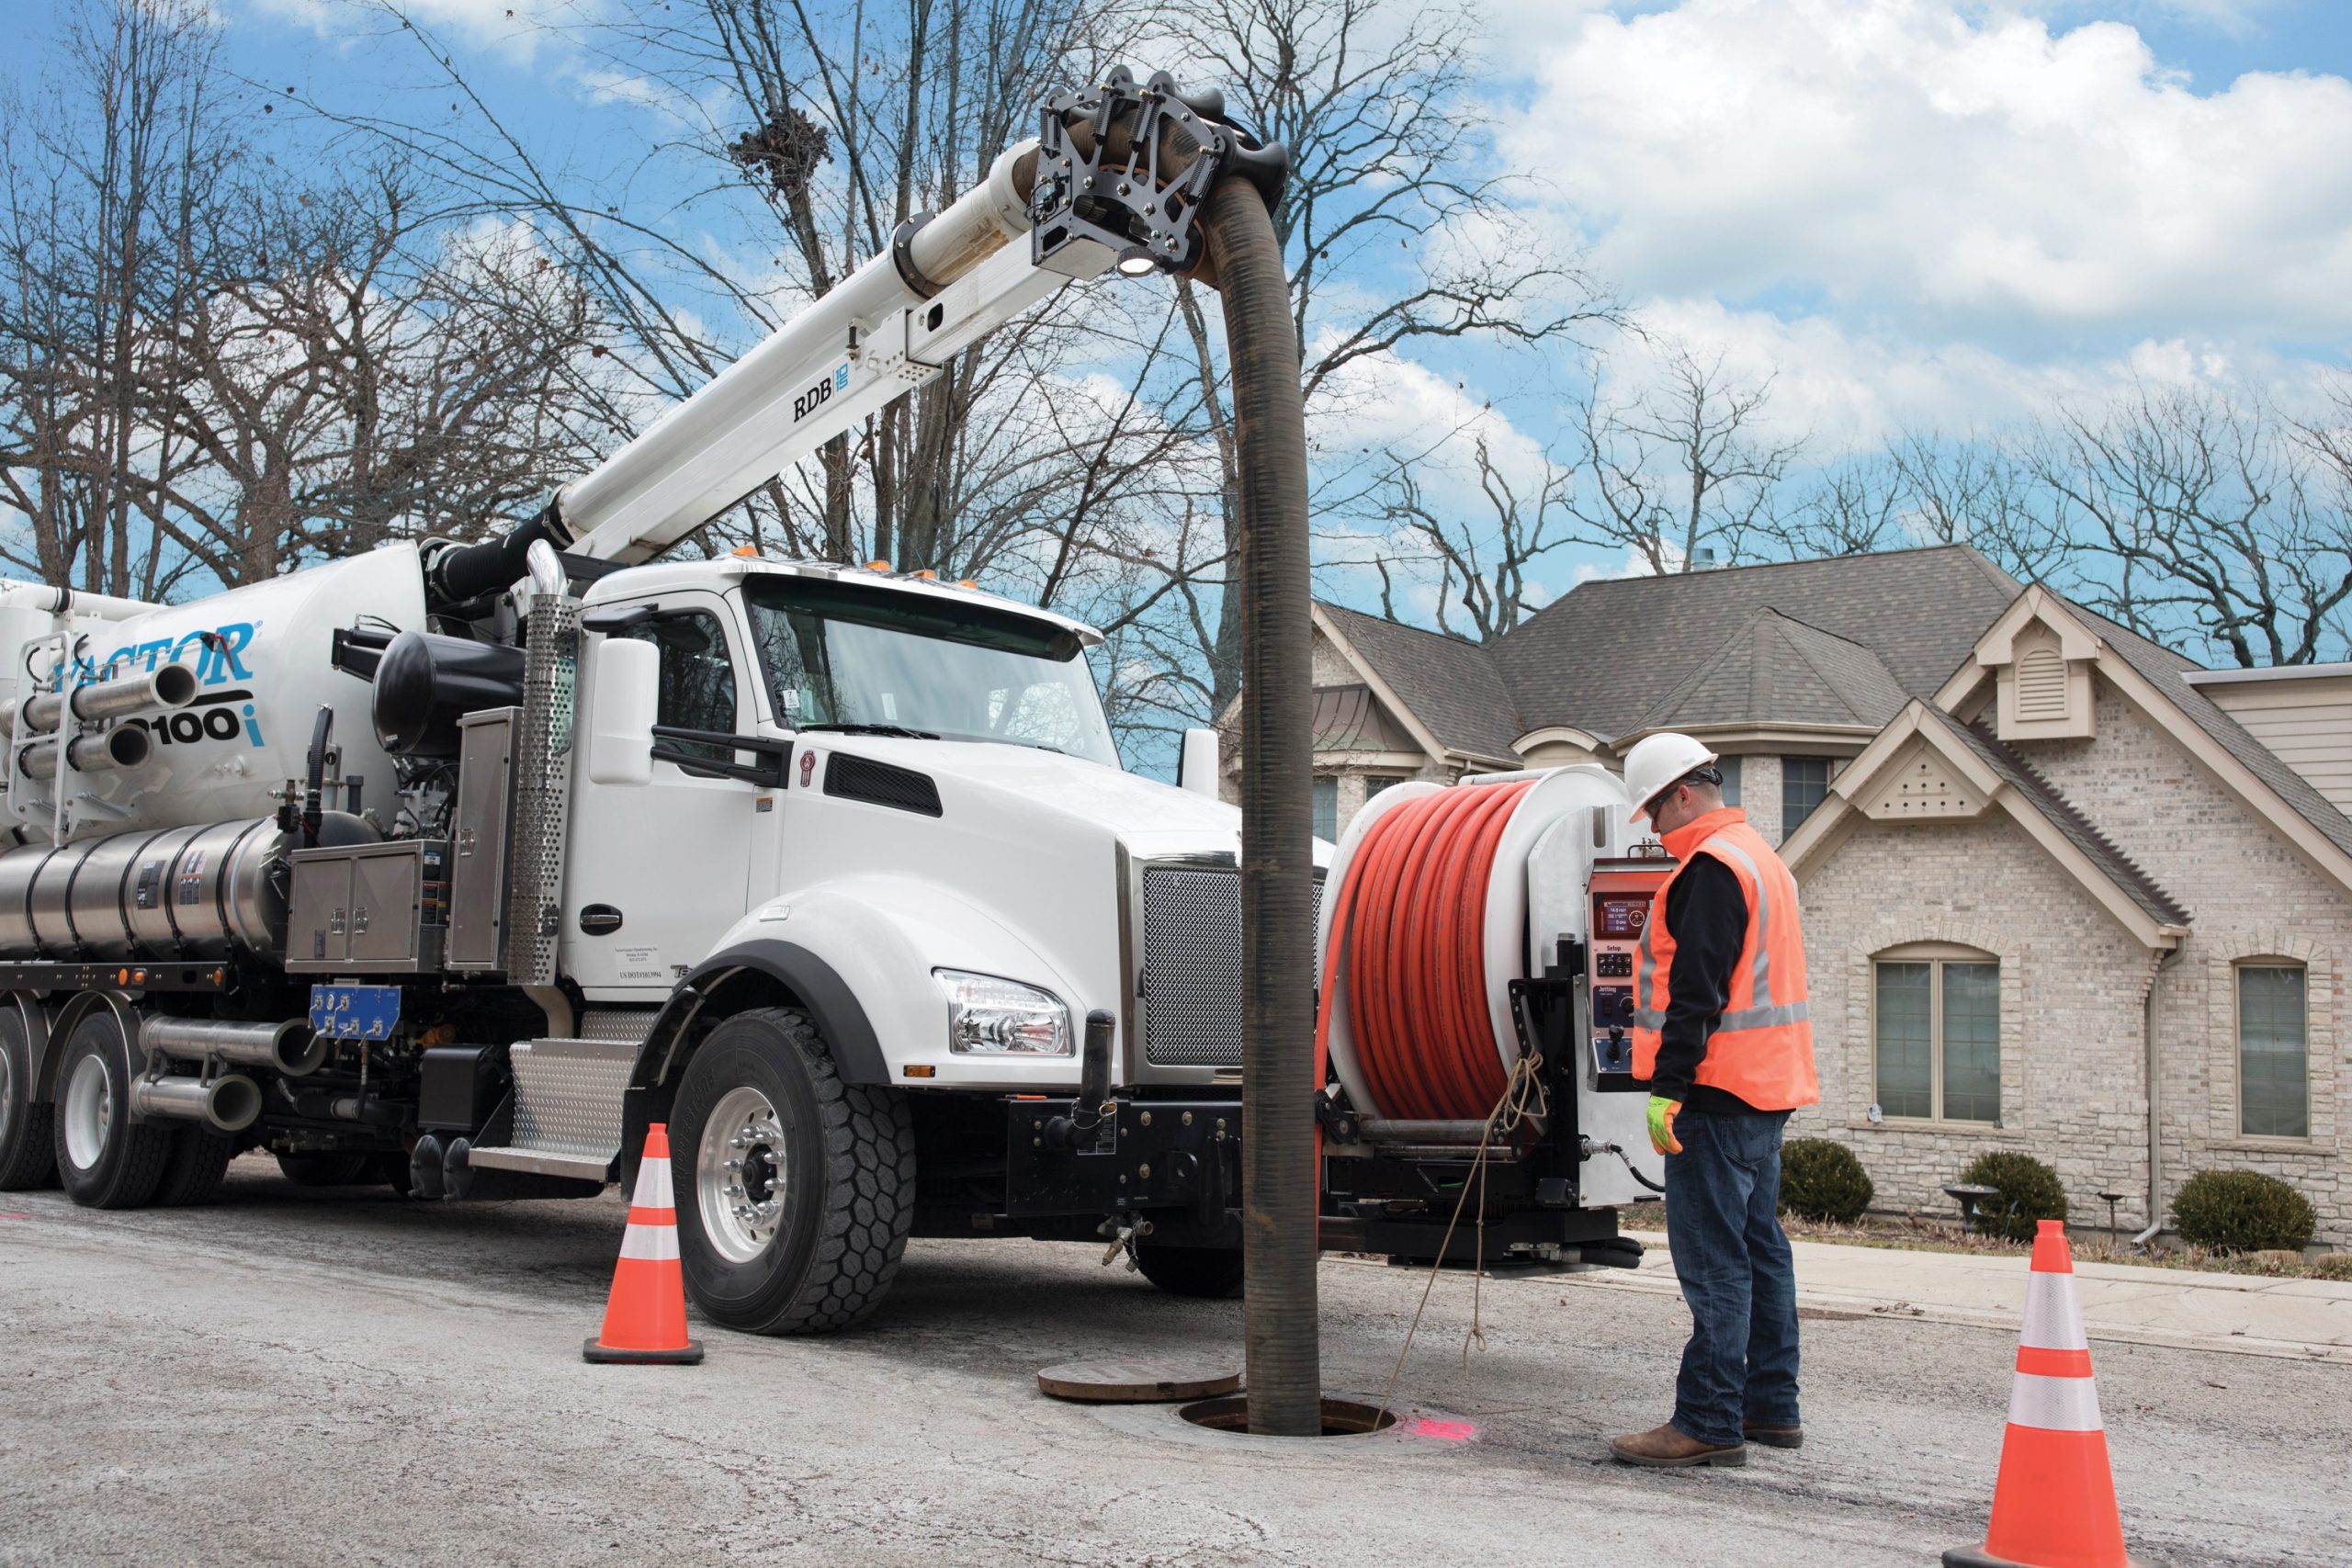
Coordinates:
(1909,212)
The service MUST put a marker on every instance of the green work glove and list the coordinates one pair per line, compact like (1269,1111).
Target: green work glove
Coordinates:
(1662,1114)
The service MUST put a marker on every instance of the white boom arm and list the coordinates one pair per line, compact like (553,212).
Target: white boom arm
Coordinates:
(876,335)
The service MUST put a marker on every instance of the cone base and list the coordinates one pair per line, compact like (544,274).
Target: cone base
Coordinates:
(1977,1557)
(690,1355)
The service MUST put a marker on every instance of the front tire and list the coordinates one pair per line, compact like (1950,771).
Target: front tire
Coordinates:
(795,1191)
(105,1160)
(28,1132)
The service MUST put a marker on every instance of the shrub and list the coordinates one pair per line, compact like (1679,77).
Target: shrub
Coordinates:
(1822,1180)
(2242,1211)
(2026,1192)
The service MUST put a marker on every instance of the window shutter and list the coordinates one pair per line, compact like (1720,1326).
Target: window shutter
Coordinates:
(2041,686)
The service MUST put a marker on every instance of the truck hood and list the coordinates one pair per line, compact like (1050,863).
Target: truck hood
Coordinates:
(1148,816)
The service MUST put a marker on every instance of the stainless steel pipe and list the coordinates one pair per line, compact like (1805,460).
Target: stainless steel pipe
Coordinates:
(173,686)
(289,1047)
(231,1103)
(124,745)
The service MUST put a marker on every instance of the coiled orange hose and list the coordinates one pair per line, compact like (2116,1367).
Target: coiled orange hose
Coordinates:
(1411,917)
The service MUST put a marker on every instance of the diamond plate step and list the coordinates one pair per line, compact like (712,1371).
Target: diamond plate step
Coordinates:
(567,1108)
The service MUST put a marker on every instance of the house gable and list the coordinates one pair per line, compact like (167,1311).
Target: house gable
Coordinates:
(2147,678)
(1925,767)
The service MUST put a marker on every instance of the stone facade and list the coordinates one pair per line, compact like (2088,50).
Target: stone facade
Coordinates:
(2072,979)
(2076,982)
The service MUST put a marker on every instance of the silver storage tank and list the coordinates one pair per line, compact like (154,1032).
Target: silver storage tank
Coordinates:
(194,892)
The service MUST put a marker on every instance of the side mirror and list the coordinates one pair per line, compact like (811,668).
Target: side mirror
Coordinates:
(1197,769)
(621,710)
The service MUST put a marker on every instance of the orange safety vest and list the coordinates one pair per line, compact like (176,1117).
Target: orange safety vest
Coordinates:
(1762,1049)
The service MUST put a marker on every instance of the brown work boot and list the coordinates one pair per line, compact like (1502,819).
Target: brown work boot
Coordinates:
(1664,1447)
(1774,1436)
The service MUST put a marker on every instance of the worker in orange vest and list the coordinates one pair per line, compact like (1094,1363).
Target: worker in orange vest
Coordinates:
(1722,1034)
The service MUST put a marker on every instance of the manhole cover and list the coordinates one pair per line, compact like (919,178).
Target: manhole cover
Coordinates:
(1139,1380)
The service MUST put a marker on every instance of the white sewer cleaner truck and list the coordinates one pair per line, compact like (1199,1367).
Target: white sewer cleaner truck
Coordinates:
(456,866)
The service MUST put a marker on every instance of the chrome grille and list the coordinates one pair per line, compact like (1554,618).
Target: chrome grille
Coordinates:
(1192,965)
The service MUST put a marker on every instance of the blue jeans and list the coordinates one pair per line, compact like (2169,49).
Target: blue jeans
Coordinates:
(1723,1193)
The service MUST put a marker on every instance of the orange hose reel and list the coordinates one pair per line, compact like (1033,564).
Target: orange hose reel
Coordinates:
(1410,916)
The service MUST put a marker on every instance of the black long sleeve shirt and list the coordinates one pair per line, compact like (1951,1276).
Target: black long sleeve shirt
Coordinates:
(1706,914)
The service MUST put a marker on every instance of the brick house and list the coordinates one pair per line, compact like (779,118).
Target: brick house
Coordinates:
(2074,904)
(2046,864)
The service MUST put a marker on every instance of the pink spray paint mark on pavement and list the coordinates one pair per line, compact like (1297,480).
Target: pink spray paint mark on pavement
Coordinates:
(1444,1431)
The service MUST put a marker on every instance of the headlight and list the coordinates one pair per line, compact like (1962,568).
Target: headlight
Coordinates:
(989,1017)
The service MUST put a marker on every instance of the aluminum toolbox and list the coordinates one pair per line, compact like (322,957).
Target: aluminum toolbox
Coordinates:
(368,908)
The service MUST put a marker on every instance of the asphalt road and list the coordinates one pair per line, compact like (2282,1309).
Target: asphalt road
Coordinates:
(298,1377)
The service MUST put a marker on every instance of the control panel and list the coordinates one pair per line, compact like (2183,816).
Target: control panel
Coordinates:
(1620,893)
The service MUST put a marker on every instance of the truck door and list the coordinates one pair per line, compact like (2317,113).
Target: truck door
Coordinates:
(657,871)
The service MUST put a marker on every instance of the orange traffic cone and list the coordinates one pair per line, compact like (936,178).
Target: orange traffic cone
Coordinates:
(645,1320)
(2054,1504)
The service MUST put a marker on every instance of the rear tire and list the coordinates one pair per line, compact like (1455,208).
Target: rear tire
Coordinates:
(193,1172)
(105,1160)
(1208,1272)
(330,1168)
(28,1131)
(827,1170)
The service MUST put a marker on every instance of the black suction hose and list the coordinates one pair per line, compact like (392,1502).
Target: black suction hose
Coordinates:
(314,813)
(1278,1176)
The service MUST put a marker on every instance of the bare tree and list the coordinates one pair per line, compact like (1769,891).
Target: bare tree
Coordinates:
(213,370)
(1922,487)
(1480,552)
(2204,521)
(355,375)
(1683,471)
(107,166)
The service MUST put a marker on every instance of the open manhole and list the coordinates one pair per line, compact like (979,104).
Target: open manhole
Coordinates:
(1342,1417)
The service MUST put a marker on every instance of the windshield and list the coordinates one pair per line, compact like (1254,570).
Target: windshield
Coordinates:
(849,656)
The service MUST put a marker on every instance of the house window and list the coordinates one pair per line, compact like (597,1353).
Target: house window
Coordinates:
(1729,768)
(2274,1099)
(1804,784)
(1327,807)
(1938,1033)
(1375,784)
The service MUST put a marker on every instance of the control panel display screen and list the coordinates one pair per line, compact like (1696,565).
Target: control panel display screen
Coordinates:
(1619,915)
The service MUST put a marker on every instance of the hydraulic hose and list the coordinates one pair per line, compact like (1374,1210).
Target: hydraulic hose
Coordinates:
(1411,917)
(1278,1136)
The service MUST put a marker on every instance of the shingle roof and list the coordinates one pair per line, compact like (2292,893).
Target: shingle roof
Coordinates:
(1611,651)
(2162,668)
(1350,719)
(1451,686)
(1777,670)
(2068,818)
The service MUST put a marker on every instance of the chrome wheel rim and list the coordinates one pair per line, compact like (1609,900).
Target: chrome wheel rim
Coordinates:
(7,1093)
(89,1110)
(738,1175)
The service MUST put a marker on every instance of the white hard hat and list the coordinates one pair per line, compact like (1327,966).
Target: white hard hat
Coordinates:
(1656,764)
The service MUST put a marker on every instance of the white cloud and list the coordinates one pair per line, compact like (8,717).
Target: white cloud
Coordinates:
(1978,174)
(515,27)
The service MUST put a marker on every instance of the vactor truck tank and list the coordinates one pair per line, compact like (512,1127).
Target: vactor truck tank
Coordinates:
(261,657)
